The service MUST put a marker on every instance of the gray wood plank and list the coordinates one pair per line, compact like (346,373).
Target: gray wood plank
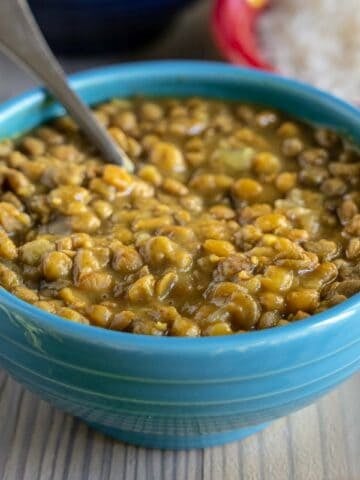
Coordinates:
(231,460)
(278,462)
(250,459)
(332,437)
(351,419)
(306,445)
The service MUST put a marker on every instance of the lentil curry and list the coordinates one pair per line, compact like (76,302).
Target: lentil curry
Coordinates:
(237,218)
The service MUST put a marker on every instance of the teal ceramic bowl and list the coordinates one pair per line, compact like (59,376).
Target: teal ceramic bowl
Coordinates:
(180,392)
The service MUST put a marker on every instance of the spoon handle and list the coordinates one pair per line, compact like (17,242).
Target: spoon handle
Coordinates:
(21,39)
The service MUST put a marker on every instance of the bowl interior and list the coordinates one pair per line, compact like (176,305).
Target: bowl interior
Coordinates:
(184,79)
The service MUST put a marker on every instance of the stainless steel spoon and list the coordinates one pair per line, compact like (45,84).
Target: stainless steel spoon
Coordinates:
(21,39)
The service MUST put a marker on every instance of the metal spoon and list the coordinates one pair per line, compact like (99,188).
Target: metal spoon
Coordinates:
(21,39)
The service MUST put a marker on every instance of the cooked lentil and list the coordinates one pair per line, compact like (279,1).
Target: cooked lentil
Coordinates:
(237,218)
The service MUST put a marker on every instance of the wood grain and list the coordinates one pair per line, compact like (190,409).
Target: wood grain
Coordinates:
(38,442)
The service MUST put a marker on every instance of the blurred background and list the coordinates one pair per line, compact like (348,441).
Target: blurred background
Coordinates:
(90,33)
(317,41)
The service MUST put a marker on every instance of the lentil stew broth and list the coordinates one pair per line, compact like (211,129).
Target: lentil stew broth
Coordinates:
(237,218)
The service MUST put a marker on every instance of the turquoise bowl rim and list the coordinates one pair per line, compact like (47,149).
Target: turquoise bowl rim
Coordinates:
(194,70)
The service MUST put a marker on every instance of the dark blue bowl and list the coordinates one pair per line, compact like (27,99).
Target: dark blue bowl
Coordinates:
(103,26)
(180,392)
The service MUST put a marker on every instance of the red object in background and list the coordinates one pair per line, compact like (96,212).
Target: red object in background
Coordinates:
(234,29)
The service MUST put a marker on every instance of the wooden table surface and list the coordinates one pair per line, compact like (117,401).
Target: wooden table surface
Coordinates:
(38,442)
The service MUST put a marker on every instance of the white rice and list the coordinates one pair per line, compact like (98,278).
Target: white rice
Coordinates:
(317,41)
